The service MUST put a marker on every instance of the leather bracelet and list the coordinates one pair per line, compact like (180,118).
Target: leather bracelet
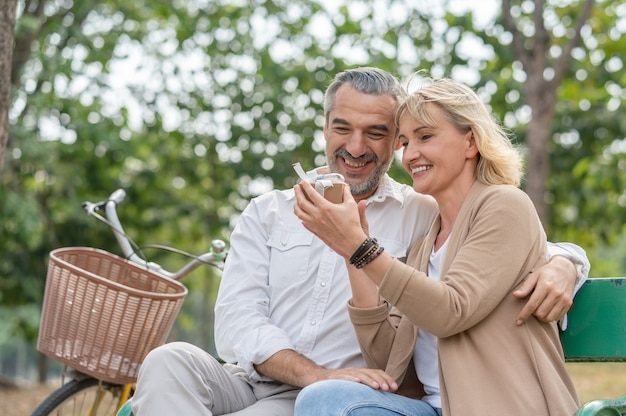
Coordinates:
(365,255)
(365,246)
(368,259)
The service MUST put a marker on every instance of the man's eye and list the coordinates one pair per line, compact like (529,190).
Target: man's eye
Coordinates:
(377,136)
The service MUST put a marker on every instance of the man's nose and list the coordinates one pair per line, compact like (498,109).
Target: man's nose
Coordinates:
(356,145)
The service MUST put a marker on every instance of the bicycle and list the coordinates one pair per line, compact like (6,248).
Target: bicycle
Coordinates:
(102,314)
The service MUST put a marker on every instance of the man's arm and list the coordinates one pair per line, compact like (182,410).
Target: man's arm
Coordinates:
(292,368)
(551,288)
(243,300)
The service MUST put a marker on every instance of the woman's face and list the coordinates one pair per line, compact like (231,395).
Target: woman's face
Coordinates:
(436,156)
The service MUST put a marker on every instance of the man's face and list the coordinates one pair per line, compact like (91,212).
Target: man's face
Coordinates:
(360,135)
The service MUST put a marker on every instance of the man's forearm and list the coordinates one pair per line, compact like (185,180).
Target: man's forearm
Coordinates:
(287,366)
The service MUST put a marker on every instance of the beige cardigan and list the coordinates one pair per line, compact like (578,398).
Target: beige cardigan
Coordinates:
(487,364)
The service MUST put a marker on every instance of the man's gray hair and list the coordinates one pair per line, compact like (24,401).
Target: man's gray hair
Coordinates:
(366,80)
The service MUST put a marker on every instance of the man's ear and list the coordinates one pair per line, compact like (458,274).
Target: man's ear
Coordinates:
(397,144)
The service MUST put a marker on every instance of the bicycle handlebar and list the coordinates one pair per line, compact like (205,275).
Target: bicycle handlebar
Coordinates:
(215,256)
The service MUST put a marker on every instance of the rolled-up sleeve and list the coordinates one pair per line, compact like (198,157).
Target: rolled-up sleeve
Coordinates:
(576,255)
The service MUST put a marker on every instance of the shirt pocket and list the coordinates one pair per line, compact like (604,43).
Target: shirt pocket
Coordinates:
(394,248)
(290,252)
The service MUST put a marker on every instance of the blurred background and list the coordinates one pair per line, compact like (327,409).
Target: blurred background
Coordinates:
(196,106)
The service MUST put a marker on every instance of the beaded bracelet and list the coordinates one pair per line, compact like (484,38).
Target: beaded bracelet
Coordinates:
(368,259)
(368,253)
(365,246)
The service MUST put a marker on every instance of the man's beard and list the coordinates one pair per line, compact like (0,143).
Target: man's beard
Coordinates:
(360,188)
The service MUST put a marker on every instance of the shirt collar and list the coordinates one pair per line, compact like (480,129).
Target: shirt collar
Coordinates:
(388,188)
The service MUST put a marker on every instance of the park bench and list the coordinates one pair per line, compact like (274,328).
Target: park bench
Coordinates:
(596,332)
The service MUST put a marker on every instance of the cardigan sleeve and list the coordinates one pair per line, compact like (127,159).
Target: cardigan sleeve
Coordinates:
(375,330)
(388,343)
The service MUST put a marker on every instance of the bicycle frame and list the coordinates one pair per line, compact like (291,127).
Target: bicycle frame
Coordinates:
(125,392)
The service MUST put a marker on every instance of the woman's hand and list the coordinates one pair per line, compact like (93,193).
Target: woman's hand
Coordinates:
(341,226)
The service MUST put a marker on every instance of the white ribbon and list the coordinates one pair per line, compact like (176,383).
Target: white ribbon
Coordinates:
(321,182)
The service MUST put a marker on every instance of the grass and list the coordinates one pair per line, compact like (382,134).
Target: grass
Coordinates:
(598,380)
(592,380)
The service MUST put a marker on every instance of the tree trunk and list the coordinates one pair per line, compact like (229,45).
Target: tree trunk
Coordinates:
(7,30)
(541,93)
(537,138)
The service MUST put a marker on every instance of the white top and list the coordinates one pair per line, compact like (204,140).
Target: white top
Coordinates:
(425,356)
(283,288)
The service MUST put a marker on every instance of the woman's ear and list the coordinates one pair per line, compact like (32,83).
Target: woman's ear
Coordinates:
(472,149)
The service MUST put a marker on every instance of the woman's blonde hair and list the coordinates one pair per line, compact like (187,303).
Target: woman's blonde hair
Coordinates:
(499,161)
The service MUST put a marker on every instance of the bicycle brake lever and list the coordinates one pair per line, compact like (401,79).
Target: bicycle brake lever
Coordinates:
(117,197)
(89,207)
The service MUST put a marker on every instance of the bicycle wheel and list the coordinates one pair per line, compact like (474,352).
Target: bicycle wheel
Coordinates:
(87,397)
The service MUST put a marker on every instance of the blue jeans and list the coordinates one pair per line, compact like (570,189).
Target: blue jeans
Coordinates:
(348,398)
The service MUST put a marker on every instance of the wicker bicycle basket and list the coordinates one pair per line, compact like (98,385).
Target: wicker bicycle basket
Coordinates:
(102,314)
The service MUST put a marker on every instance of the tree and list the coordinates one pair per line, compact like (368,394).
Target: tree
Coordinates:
(229,96)
(7,27)
(584,191)
(544,76)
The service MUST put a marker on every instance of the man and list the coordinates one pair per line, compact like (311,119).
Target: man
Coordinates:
(281,319)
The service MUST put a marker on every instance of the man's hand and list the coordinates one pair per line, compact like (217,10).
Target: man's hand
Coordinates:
(551,290)
(287,366)
(376,379)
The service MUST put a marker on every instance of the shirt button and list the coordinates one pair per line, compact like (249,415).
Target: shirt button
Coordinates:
(323,284)
(313,322)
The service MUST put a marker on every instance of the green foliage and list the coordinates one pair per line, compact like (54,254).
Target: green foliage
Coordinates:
(225,95)
(587,180)
(228,95)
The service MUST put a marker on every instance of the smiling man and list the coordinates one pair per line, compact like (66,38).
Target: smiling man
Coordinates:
(358,137)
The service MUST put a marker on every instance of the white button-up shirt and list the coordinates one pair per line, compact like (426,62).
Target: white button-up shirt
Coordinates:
(283,288)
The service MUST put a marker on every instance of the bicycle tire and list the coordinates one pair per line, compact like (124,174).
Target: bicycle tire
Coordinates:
(77,398)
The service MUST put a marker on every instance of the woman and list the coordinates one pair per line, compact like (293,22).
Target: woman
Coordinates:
(453,314)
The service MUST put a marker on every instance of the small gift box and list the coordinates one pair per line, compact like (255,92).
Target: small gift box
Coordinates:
(329,185)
